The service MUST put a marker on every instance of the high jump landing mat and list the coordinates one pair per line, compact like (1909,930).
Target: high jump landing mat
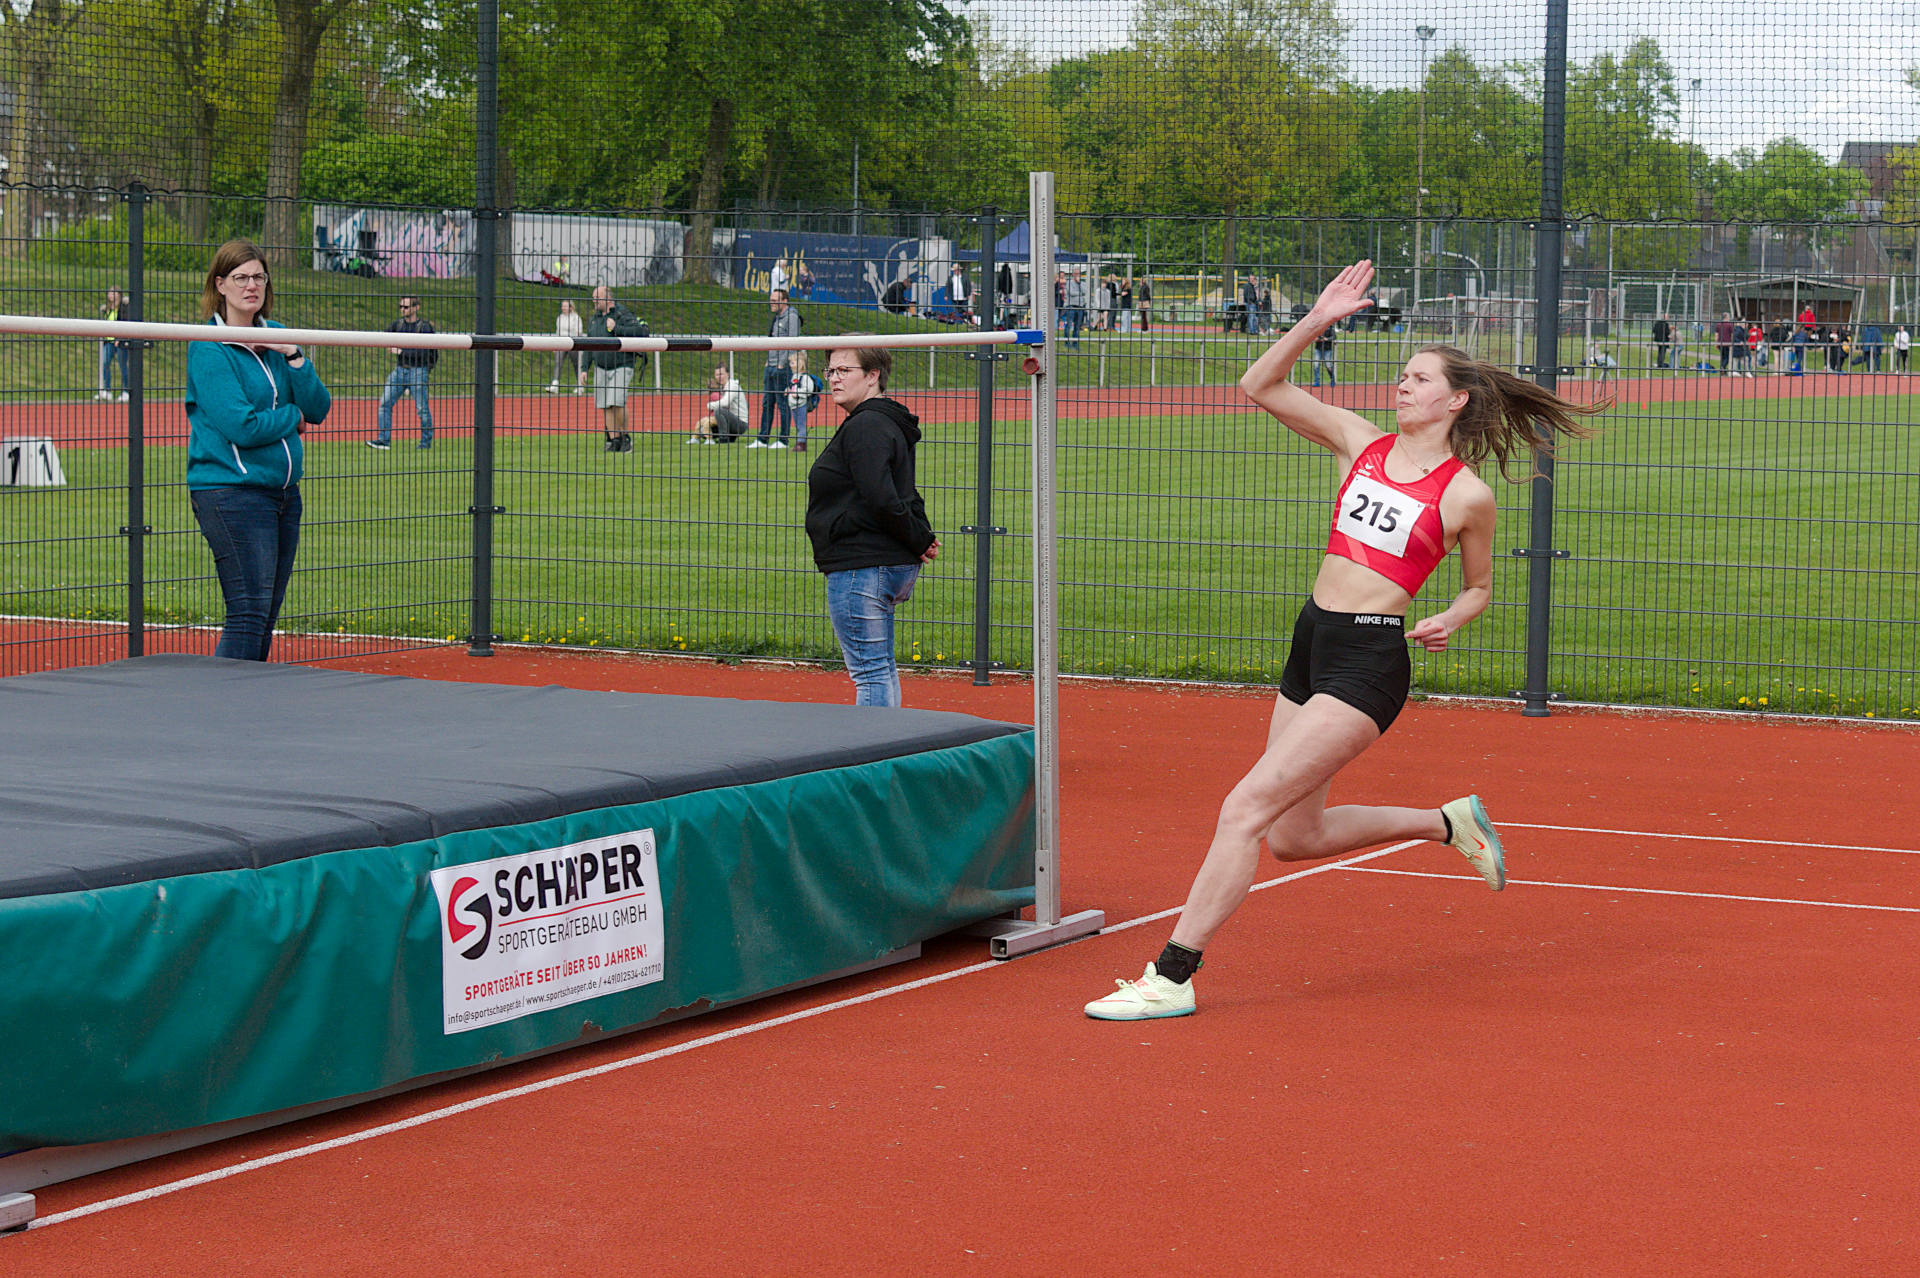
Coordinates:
(230,889)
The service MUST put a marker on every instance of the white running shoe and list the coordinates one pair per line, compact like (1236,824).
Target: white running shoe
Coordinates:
(105,394)
(1150,998)
(756,444)
(776,444)
(553,388)
(693,439)
(1474,835)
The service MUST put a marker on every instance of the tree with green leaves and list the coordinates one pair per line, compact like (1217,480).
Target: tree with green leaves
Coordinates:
(1244,117)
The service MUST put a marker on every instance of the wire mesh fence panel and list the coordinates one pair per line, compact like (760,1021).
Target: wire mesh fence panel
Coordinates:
(1650,197)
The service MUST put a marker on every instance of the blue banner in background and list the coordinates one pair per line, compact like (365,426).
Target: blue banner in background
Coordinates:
(852,270)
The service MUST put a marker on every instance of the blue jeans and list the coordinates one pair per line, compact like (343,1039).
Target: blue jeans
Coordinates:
(112,353)
(253,533)
(800,423)
(399,382)
(860,603)
(1323,359)
(773,385)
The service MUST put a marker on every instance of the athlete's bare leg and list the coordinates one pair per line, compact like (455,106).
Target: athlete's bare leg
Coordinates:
(1303,754)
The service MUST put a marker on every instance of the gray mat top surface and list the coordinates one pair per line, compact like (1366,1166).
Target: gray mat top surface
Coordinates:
(169,765)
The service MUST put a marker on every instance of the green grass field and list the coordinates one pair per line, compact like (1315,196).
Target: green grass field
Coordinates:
(1722,554)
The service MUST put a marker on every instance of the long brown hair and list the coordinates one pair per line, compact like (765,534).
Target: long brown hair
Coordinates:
(227,259)
(1505,415)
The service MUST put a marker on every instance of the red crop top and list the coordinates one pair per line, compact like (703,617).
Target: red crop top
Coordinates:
(1391,527)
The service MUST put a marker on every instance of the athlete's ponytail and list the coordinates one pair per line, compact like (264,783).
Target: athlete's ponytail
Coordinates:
(1505,415)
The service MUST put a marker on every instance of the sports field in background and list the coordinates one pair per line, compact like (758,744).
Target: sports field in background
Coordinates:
(1186,536)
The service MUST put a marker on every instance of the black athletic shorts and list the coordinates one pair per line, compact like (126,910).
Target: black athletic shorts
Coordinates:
(1356,657)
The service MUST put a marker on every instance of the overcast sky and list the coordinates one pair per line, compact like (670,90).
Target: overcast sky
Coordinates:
(1826,73)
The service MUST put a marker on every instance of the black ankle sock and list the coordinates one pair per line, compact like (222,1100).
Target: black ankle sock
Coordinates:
(1177,963)
(1448,822)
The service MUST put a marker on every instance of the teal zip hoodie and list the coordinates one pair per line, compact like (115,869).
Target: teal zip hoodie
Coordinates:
(245,408)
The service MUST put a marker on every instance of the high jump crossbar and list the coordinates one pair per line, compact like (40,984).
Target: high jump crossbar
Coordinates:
(122,331)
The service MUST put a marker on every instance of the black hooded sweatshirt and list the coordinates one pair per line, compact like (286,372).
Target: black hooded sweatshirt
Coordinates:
(863,510)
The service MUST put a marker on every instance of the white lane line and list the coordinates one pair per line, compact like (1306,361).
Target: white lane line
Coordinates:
(1707,838)
(1285,878)
(1604,887)
(529,1089)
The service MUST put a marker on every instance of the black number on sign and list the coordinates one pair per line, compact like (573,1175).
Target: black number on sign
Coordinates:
(1384,517)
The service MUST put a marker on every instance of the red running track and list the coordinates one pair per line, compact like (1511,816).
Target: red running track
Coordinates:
(1682,1041)
(92,424)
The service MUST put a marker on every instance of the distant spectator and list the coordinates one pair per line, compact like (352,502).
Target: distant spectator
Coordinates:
(1737,349)
(612,370)
(1323,356)
(1143,297)
(1126,306)
(1870,343)
(1801,339)
(559,274)
(773,381)
(1600,363)
(1723,339)
(803,396)
(1807,320)
(411,366)
(726,418)
(1265,323)
(1902,344)
(568,324)
(1836,343)
(1756,346)
(778,282)
(1076,309)
(804,279)
(898,299)
(112,353)
(1662,342)
(957,294)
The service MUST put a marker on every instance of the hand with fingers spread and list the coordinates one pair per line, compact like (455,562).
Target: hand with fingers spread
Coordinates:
(1347,294)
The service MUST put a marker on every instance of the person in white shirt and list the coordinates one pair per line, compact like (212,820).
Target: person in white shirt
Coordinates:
(726,418)
(779,284)
(1902,345)
(568,325)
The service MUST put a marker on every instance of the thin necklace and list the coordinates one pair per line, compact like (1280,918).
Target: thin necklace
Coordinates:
(1426,468)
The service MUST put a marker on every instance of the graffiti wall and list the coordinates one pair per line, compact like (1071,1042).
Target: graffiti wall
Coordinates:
(395,243)
(616,251)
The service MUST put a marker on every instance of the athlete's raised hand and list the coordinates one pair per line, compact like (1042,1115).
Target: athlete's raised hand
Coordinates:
(1347,293)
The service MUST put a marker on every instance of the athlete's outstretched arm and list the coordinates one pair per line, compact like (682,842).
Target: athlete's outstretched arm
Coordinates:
(1266,384)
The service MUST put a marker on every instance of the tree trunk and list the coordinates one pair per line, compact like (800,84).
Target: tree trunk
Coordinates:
(200,170)
(713,171)
(303,24)
(35,35)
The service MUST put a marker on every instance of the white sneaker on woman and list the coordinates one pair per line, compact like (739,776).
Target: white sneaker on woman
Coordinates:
(1150,998)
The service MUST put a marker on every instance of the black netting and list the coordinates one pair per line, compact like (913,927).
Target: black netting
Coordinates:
(1603,217)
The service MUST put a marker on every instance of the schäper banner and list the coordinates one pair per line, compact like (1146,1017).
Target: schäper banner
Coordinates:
(522,934)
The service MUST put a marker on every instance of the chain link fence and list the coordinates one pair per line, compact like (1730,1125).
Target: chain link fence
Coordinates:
(1608,205)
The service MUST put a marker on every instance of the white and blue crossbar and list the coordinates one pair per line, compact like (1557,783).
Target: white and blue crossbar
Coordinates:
(118,331)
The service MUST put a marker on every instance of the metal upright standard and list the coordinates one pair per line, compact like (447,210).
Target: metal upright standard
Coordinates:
(1011,937)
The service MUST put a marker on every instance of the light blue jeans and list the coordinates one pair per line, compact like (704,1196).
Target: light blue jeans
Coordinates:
(860,603)
(399,382)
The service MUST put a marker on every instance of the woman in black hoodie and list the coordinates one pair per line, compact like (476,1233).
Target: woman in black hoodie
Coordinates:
(866,519)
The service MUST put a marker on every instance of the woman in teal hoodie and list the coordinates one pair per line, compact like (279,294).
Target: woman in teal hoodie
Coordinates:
(247,403)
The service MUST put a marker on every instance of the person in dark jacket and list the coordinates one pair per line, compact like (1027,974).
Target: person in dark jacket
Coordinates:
(411,367)
(247,403)
(612,370)
(867,521)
